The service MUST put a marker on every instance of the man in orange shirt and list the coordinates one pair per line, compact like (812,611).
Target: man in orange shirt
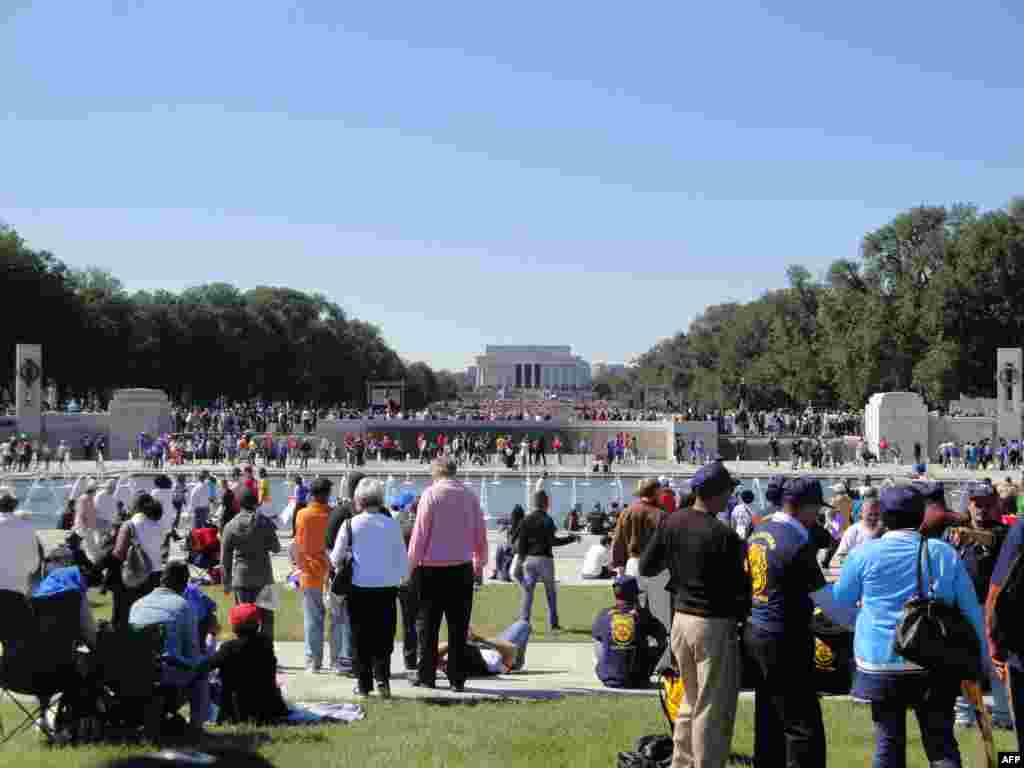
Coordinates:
(311,560)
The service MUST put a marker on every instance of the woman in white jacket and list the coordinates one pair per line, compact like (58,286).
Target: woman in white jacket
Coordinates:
(379,564)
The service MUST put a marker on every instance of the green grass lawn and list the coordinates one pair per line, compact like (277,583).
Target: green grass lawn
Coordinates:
(577,732)
(494,608)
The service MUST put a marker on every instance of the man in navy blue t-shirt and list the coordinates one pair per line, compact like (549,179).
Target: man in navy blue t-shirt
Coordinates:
(628,640)
(1009,667)
(784,571)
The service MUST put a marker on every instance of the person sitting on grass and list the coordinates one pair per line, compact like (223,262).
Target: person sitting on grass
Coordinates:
(248,671)
(628,640)
(486,657)
(595,562)
(180,666)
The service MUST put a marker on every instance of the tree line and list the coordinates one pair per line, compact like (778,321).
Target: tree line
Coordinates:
(210,340)
(931,297)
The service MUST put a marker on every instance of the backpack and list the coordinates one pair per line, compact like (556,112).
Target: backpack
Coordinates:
(137,566)
(1006,625)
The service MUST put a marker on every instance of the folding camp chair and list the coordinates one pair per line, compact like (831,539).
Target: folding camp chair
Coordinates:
(128,669)
(39,640)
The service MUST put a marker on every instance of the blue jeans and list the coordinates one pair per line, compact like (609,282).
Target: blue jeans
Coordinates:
(964,710)
(519,635)
(313,625)
(200,517)
(934,711)
(340,639)
(539,569)
(197,687)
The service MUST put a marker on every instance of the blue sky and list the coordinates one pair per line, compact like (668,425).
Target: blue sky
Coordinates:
(473,173)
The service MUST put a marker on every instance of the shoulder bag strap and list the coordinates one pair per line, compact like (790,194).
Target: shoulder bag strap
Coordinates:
(920,578)
(928,564)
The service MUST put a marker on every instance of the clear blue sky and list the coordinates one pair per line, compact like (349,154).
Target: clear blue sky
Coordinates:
(473,173)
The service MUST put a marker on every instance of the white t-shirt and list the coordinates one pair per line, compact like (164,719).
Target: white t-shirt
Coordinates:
(493,660)
(124,493)
(164,495)
(19,552)
(853,537)
(597,557)
(106,508)
(151,536)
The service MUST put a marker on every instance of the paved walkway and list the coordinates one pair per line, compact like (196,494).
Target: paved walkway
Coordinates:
(552,670)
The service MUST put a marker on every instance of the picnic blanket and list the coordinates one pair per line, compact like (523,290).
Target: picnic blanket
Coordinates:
(306,713)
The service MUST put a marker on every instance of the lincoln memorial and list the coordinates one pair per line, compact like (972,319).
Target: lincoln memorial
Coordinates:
(531,367)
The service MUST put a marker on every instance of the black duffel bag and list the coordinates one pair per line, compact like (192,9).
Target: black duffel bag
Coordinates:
(833,655)
(935,634)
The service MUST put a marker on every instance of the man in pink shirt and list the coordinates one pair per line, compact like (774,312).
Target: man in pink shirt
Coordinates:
(448,548)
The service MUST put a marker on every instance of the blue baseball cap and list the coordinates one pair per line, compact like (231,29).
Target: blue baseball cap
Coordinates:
(712,479)
(932,491)
(981,490)
(902,507)
(626,588)
(773,491)
(803,491)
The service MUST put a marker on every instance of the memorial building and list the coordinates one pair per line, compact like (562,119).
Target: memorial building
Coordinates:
(531,367)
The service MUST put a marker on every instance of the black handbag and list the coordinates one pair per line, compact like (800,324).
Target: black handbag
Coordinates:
(341,584)
(935,635)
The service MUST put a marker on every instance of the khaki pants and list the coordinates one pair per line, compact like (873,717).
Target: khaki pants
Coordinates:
(707,652)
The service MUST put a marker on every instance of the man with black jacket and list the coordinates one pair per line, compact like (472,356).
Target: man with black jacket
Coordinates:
(710,596)
(340,639)
(537,537)
(978,545)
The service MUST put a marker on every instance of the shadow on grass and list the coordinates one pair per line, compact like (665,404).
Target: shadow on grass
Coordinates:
(493,696)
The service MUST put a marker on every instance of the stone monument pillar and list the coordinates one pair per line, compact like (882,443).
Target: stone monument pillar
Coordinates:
(133,411)
(28,386)
(1009,369)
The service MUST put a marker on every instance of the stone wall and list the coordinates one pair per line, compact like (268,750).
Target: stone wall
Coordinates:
(72,427)
(987,406)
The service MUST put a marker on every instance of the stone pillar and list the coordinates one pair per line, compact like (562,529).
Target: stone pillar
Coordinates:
(133,411)
(536,376)
(28,388)
(1009,373)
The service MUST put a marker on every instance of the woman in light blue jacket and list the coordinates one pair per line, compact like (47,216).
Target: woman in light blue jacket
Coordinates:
(882,576)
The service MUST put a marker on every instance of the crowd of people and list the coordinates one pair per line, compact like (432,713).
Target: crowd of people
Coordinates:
(703,581)
(810,422)
(981,454)
(22,453)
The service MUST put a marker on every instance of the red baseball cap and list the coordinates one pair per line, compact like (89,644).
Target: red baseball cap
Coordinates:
(246,613)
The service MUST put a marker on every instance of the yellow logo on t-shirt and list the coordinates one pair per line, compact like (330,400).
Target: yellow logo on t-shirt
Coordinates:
(824,658)
(757,565)
(623,628)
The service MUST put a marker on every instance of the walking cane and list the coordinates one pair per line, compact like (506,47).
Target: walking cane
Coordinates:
(972,692)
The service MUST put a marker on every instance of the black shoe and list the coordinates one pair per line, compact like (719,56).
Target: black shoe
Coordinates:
(556,627)
(360,692)
(415,682)
(384,689)
(458,687)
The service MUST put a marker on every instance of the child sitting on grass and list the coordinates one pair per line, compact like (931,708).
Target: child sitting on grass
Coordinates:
(248,672)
